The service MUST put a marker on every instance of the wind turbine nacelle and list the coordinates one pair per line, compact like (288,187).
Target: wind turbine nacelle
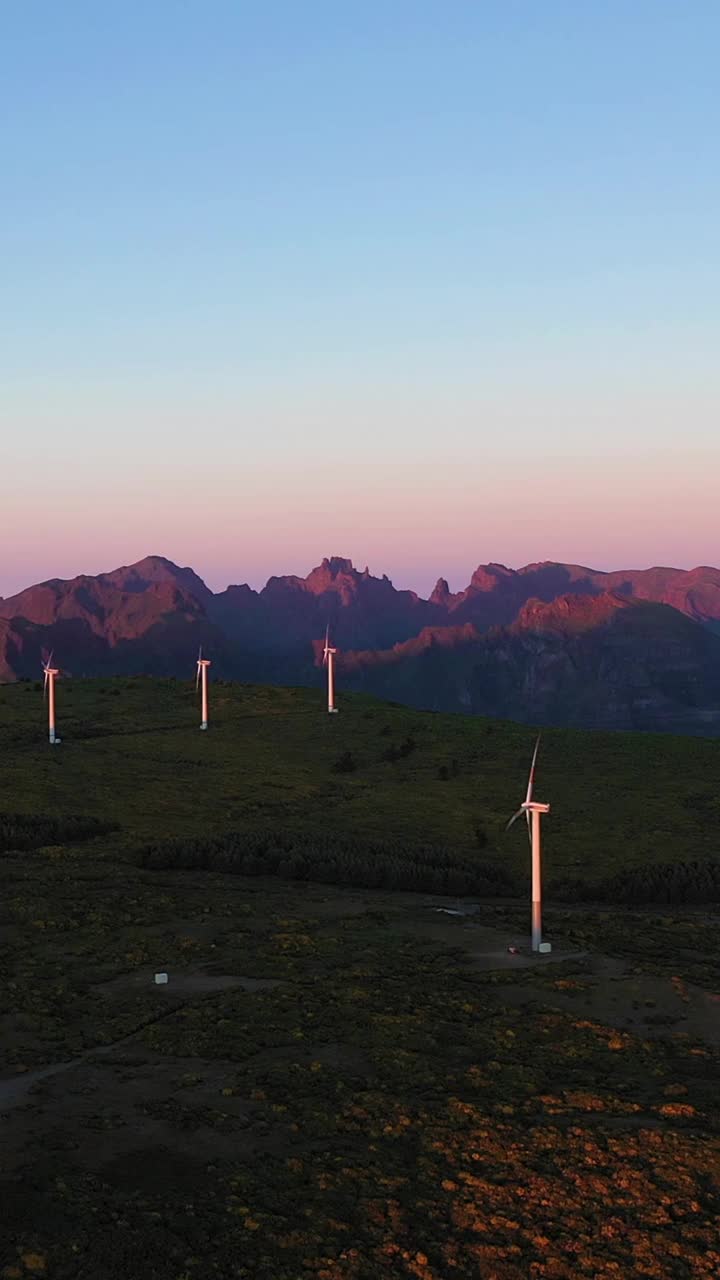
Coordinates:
(533,806)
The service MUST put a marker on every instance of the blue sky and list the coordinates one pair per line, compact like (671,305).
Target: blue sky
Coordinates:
(279,277)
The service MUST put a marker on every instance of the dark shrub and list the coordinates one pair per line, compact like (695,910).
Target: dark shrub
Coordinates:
(332,859)
(345,763)
(674,884)
(23,832)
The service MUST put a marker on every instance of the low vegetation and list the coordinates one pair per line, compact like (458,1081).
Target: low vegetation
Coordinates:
(365,864)
(378,1107)
(22,831)
(676,884)
(339,1081)
(273,760)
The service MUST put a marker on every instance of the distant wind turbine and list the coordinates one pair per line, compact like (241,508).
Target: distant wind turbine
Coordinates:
(532,810)
(201,679)
(49,692)
(328,661)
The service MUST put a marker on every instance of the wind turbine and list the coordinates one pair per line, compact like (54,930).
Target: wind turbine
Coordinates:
(201,678)
(532,810)
(328,661)
(49,692)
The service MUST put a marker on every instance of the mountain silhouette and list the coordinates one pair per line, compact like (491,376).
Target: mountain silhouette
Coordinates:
(549,643)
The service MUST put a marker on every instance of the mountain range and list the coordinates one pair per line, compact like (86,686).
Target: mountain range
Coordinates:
(548,643)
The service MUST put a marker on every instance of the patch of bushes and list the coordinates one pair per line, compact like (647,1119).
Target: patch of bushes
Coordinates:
(674,884)
(345,763)
(406,748)
(332,860)
(23,832)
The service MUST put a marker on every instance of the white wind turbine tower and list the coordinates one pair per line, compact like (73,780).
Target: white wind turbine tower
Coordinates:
(328,661)
(202,679)
(532,810)
(49,692)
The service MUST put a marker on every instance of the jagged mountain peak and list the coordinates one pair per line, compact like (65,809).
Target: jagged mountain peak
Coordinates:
(556,641)
(440,594)
(334,572)
(338,564)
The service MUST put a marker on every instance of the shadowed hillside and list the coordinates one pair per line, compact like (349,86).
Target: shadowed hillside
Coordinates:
(552,643)
(605,662)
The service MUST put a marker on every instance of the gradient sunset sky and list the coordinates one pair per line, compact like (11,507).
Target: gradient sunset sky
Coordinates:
(420,282)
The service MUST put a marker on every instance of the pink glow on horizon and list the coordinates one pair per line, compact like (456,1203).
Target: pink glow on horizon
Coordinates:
(416,521)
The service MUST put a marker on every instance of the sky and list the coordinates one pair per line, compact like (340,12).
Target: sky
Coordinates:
(425,283)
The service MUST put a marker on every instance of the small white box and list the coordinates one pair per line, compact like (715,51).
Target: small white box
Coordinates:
(544,948)
(160,978)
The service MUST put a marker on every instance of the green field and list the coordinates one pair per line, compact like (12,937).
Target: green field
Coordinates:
(132,754)
(340,1083)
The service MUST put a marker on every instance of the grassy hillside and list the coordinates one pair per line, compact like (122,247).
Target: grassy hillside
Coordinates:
(274,760)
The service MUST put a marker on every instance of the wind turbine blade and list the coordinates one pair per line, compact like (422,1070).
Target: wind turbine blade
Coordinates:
(529,827)
(514,818)
(531,778)
(197,678)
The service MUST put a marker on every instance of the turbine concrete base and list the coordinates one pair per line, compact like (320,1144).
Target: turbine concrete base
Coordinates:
(204,724)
